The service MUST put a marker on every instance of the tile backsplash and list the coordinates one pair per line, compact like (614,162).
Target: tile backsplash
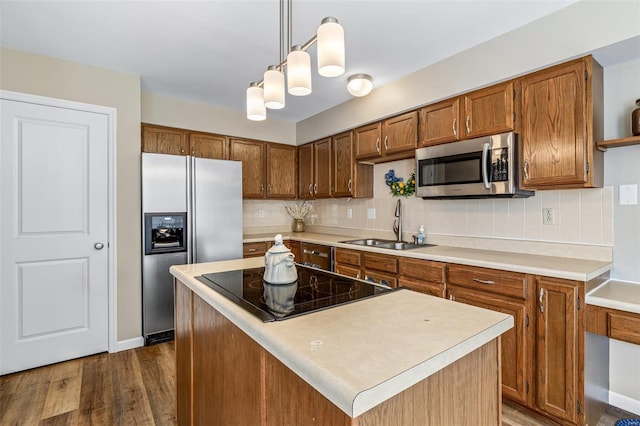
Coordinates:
(581,216)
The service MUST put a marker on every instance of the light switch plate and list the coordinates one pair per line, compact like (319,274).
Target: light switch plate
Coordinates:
(349,213)
(629,195)
(371,213)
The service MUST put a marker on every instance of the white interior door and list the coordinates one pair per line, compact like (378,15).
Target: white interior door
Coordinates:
(53,234)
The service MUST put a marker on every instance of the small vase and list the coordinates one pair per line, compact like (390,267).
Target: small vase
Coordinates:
(635,120)
(298,225)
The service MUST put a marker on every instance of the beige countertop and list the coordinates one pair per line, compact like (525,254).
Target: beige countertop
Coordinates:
(361,354)
(614,294)
(551,266)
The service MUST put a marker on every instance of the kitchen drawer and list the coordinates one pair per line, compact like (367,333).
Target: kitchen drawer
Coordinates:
(381,278)
(427,287)
(380,262)
(348,257)
(254,249)
(349,271)
(490,280)
(624,326)
(422,270)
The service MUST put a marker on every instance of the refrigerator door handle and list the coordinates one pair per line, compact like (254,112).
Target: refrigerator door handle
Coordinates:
(191,235)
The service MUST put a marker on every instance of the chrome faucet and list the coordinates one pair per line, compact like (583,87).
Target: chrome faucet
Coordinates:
(397,224)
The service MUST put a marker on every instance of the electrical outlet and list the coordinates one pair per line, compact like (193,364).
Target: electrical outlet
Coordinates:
(371,213)
(349,213)
(260,213)
(547,216)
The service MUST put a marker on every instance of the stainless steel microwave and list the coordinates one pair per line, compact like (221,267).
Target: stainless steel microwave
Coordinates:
(475,168)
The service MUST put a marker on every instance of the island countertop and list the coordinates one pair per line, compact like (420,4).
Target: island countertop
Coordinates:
(360,354)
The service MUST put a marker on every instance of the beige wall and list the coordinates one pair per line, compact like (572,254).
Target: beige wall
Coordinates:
(38,75)
(157,109)
(571,32)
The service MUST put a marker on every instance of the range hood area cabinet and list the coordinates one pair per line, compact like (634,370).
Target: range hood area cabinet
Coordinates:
(327,168)
(562,116)
(392,139)
(483,112)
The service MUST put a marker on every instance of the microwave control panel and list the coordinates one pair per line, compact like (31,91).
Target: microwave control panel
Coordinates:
(500,165)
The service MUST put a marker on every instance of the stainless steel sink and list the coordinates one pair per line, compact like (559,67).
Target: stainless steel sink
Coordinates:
(388,244)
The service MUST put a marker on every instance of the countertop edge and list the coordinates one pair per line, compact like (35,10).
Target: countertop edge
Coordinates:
(611,302)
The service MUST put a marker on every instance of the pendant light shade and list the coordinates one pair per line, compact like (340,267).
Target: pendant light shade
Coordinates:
(298,72)
(256,110)
(330,48)
(273,88)
(359,85)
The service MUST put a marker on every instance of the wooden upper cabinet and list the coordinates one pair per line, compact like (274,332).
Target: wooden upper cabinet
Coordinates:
(322,168)
(400,133)
(559,335)
(489,111)
(282,169)
(253,157)
(164,140)
(390,137)
(439,123)
(206,145)
(367,141)
(562,109)
(306,176)
(343,164)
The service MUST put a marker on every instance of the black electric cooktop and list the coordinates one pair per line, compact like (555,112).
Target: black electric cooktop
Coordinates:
(314,290)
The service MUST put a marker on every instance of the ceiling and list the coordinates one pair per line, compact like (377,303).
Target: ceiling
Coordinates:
(209,51)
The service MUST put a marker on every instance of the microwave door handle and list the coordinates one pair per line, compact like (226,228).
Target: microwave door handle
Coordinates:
(485,172)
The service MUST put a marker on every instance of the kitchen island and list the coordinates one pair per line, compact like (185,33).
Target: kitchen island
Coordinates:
(398,358)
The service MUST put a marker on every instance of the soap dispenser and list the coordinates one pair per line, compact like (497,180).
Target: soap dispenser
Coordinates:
(421,235)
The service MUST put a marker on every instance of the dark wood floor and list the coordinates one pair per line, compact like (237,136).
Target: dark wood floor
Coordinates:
(134,387)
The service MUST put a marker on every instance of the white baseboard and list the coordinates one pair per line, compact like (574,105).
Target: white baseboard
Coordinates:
(123,345)
(621,401)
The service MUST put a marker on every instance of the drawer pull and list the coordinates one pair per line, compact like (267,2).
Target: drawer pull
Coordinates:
(484,281)
(253,249)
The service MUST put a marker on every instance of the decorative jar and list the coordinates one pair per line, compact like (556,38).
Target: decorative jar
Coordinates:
(298,225)
(635,120)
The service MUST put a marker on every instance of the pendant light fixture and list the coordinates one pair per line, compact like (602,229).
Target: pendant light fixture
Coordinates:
(331,63)
(256,110)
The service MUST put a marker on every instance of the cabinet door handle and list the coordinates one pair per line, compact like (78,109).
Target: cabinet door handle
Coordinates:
(453,127)
(261,188)
(378,145)
(526,169)
(468,124)
(540,300)
(452,298)
(386,147)
(358,276)
(269,188)
(315,188)
(349,185)
(310,189)
(478,280)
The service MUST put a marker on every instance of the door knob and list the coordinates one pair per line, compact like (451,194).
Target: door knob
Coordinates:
(98,246)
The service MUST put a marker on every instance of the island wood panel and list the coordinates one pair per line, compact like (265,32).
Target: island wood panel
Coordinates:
(466,392)
(183,349)
(206,145)
(227,371)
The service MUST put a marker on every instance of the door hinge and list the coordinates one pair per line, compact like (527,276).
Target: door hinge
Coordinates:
(586,75)
(526,321)
(578,408)
(514,117)
(588,167)
(514,93)
(578,302)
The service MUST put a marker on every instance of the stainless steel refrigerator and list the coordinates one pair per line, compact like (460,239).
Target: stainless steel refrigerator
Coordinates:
(191,213)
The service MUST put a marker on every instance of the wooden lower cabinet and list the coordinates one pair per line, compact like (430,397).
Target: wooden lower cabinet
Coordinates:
(423,276)
(381,268)
(613,323)
(515,343)
(225,378)
(560,349)
(256,249)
